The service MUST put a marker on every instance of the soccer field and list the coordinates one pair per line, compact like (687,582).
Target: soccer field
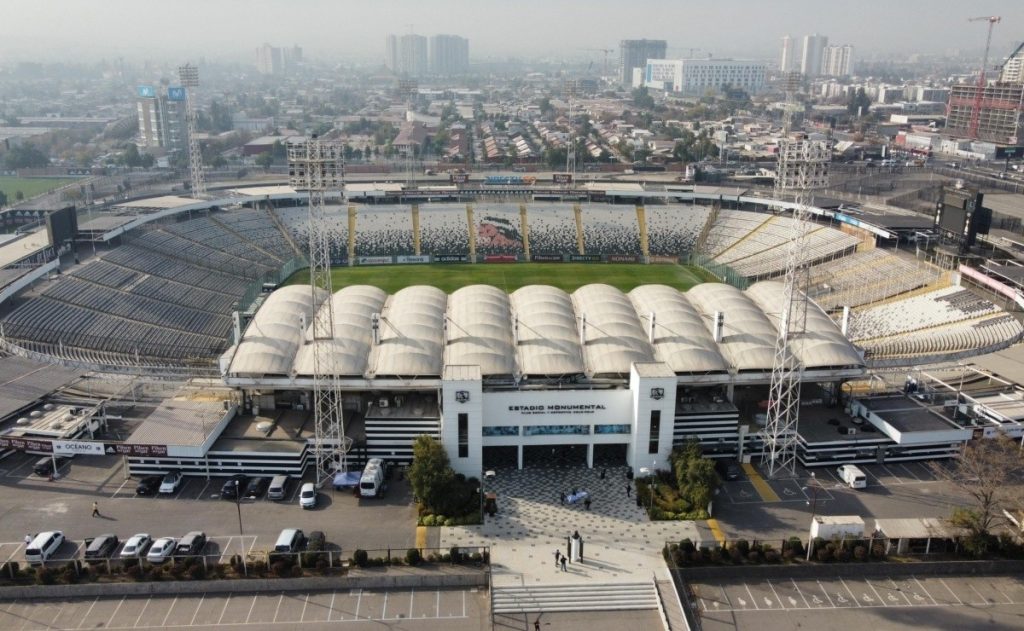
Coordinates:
(30,186)
(567,276)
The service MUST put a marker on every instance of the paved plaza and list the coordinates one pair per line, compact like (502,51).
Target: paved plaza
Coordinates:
(620,543)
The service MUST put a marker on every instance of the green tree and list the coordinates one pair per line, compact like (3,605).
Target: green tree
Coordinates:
(265,159)
(25,156)
(3,199)
(642,99)
(555,157)
(19,195)
(430,474)
(131,156)
(218,162)
(147,161)
(858,100)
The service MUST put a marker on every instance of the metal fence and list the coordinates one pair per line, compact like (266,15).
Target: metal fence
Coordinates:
(725,273)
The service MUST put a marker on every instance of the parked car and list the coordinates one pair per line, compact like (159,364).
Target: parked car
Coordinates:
(233,487)
(256,487)
(136,546)
(100,548)
(191,544)
(727,470)
(171,482)
(278,487)
(307,496)
(148,485)
(43,546)
(161,550)
(44,466)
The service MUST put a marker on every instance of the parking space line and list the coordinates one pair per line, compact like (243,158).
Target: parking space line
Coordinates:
(116,609)
(411,592)
(198,607)
(118,490)
(224,609)
(359,601)
(168,614)
(825,591)
(384,611)
(277,609)
(1009,601)
(463,603)
(882,600)
(754,600)
(897,588)
(716,531)
(202,492)
(984,601)
(800,593)
(144,605)
(437,607)
(330,608)
(763,489)
(925,590)
(951,592)
(88,611)
(850,592)
(251,607)
(304,603)
(60,610)
(912,474)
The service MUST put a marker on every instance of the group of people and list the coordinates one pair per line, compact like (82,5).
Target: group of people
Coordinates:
(574,497)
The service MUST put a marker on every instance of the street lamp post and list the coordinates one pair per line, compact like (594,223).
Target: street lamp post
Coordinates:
(241,533)
(813,485)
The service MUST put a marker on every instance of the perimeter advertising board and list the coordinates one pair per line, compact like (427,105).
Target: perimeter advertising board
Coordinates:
(547,258)
(374,260)
(450,258)
(585,258)
(412,259)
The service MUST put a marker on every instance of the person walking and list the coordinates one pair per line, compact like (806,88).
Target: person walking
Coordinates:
(28,539)
(536,625)
(558,558)
(561,497)
(629,487)
(563,563)
(95,509)
(586,503)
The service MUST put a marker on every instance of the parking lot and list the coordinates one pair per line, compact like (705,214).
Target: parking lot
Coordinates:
(414,609)
(846,603)
(34,504)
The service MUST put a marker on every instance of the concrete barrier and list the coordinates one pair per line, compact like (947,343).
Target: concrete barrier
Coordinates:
(856,570)
(387,578)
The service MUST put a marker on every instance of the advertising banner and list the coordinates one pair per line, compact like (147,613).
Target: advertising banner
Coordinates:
(26,444)
(451,258)
(122,449)
(413,258)
(459,178)
(585,258)
(75,447)
(374,260)
(547,258)
(175,93)
(561,178)
(660,258)
(623,258)
(500,258)
(146,91)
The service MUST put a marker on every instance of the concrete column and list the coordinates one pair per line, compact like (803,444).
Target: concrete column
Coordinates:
(641,222)
(524,229)
(471,230)
(351,235)
(578,213)
(520,456)
(730,391)
(416,229)
(590,456)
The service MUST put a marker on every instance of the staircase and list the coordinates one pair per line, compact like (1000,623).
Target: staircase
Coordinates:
(585,597)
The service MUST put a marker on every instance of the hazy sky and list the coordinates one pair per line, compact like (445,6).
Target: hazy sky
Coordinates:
(231,29)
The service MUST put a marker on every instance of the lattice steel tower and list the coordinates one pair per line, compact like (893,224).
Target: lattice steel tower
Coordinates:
(317,166)
(802,167)
(189,77)
(571,88)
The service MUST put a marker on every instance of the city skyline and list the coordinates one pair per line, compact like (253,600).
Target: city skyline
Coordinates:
(231,30)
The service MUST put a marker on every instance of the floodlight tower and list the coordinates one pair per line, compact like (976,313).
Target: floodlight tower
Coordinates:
(188,75)
(317,166)
(802,167)
(571,88)
(409,88)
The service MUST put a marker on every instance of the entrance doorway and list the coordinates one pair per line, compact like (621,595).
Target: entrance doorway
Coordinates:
(555,456)
(501,457)
(610,455)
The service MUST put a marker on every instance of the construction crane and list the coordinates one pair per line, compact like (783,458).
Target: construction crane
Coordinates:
(605,51)
(691,50)
(980,92)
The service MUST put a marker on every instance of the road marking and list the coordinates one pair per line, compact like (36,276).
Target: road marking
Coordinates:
(116,609)
(384,611)
(88,611)
(330,608)
(984,601)
(411,592)
(168,615)
(224,609)
(304,603)
(359,601)
(198,607)
(825,591)
(876,592)
(849,591)
(800,593)
(754,600)
(925,590)
(781,604)
(437,608)
(908,470)
(118,490)
(463,603)
(899,480)
(716,531)
(253,605)
(763,489)
(897,588)
(144,605)
(951,592)
(1009,601)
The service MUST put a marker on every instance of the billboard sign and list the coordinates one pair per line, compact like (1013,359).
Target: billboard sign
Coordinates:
(459,178)
(374,260)
(585,258)
(450,258)
(547,258)
(658,258)
(623,258)
(122,449)
(175,93)
(146,91)
(76,447)
(500,258)
(407,259)
(561,178)
(25,444)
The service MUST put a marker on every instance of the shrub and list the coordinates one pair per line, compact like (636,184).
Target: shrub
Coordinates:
(716,555)
(735,554)
(296,571)
(843,555)
(44,576)
(878,551)
(796,545)
(280,568)
(258,568)
(155,573)
(133,572)
(788,555)
(412,556)
(771,556)
(824,555)
(197,572)
(360,558)
(456,554)
(743,546)
(754,556)
(686,545)
(860,553)
(321,565)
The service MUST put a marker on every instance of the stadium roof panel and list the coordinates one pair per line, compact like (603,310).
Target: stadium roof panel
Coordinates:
(748,338)
(272,339)
(411,334)
(479,331)
(354,307)
(547,340)
(682,338)
(613,338)
(822,345)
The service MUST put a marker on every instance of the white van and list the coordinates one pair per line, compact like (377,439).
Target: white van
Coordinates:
(290,540)
(43,547)
(372,483)
(278,487)
(853,475)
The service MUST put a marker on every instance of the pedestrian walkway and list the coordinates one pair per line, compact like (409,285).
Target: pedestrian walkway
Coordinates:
(620,544)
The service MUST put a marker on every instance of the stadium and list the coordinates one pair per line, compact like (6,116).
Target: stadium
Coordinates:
(595,326)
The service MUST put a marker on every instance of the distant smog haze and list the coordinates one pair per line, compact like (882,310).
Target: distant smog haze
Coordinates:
(55,30)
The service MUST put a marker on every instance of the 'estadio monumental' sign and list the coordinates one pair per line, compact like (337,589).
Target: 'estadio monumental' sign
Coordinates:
(557,407)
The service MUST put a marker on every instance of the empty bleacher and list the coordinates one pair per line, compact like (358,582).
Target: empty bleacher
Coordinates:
(610,230)
(673,230)
(383,231)
(867,277)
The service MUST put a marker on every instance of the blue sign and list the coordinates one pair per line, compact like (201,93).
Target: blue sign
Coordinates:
(146,91)
(176,94)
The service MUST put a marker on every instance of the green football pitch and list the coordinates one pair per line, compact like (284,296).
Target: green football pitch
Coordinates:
(30,186)
(512,276)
